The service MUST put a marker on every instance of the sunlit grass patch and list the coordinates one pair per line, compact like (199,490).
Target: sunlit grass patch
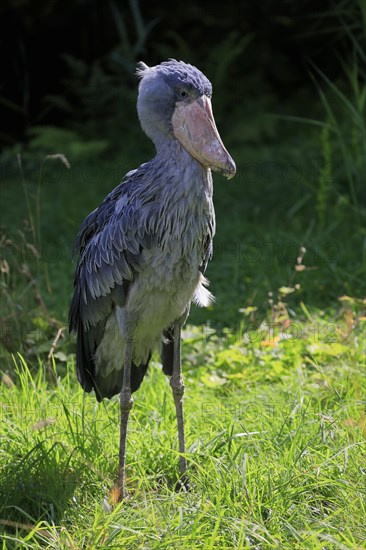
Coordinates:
(275,454)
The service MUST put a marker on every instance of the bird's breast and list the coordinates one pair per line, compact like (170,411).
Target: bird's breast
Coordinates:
(170,278)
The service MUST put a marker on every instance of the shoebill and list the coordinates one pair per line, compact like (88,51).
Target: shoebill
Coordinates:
(143,252)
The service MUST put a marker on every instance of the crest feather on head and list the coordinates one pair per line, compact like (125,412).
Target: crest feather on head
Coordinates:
(141,68)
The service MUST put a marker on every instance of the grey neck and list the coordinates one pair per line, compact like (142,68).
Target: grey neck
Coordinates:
(181,168)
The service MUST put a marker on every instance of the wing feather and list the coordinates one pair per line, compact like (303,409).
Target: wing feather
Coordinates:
(208,245)
(110,243)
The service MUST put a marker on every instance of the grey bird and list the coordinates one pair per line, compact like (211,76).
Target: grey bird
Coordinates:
(143,252)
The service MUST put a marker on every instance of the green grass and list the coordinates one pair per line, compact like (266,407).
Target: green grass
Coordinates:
(276,446)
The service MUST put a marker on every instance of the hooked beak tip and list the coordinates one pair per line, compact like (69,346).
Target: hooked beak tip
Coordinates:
(228,171)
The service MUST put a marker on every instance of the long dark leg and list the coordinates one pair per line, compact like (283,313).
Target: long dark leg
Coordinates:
(126,402)
(177,385)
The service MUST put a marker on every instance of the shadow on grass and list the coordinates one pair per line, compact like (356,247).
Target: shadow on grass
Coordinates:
(38,487)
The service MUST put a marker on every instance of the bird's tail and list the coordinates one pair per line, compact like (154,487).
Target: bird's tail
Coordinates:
(105,382)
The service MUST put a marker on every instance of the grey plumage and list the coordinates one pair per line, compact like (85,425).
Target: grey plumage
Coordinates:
(155,223)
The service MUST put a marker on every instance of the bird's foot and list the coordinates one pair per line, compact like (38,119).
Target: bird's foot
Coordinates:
(183,484)
(115,495)
(118,494)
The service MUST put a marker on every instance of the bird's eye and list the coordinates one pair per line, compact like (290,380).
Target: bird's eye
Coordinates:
(182,94)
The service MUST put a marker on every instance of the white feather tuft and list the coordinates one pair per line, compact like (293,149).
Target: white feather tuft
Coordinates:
(202,296)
